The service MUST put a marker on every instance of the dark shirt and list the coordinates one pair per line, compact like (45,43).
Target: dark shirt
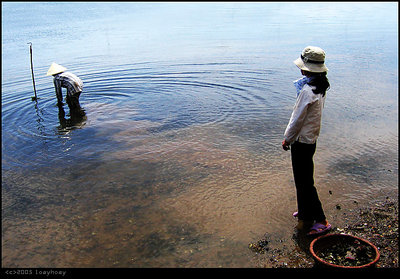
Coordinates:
(71,82)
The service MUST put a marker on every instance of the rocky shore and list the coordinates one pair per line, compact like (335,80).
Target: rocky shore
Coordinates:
(377,223)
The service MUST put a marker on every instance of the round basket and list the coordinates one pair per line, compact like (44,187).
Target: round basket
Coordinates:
(325,243)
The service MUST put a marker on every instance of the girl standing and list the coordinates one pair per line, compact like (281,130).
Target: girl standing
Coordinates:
(301,135)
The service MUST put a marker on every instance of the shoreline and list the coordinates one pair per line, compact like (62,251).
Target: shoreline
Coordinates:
(376,222)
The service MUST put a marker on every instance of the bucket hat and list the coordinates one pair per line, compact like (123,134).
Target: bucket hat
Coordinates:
(312,59)
(55,69)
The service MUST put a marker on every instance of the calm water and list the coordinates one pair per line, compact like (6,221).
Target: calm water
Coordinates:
(178,162)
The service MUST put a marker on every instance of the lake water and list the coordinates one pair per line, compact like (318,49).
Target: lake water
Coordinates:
(178,162)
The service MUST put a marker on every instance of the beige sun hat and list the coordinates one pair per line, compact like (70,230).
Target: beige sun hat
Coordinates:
(55,69)
(312,59)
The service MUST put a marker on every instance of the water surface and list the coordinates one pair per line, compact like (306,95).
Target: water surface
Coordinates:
(178,161)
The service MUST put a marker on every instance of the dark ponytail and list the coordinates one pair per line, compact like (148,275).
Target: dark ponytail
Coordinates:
(320,81)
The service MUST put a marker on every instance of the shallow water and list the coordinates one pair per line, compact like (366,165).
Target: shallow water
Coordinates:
(178,161)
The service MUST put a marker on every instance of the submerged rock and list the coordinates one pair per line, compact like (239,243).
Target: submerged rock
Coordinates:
(260,246)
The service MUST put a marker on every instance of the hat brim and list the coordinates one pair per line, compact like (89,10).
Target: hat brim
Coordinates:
(55,69)
(310,67)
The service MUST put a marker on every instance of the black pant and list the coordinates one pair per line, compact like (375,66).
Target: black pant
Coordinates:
(73,101)
(308,203)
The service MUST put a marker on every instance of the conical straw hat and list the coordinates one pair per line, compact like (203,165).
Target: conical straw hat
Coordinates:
(55,69)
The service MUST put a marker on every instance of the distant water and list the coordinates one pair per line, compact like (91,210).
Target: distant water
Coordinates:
(178,161)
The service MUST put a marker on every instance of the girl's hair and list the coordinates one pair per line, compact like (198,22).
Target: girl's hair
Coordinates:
(320,81)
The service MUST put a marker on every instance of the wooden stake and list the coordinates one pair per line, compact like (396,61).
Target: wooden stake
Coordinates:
(33,77)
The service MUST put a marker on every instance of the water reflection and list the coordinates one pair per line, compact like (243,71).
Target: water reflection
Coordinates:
(76,120)
(40,126)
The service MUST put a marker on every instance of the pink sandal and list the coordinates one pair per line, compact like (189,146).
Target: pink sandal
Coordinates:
(319,229)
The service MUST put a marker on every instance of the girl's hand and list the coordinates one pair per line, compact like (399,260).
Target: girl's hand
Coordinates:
(285,145)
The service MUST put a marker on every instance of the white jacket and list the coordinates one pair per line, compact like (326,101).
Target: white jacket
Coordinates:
(305,122)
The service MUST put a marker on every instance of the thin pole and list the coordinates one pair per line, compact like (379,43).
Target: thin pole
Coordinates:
(33,77)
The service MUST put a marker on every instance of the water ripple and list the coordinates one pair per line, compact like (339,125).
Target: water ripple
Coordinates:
(174,95)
